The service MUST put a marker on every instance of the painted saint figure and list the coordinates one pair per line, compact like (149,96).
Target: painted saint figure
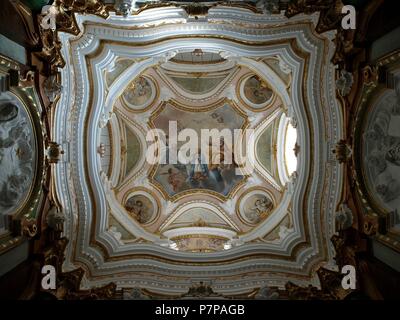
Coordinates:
(262,207)
(176,180)
(199,171)
(138,210)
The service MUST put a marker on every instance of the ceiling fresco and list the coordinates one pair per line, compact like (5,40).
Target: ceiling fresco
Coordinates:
(197,84)
(208,149)
(257,91)
(139,93)
(219,178)
(266,216)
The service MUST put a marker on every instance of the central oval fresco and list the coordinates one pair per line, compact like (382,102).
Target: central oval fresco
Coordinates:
(203,173)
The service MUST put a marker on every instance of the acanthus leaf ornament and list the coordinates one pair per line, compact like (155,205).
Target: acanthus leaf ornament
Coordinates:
(201,290)
(53,152)
(29,227)
(342,151)
(371,224)
(49,19)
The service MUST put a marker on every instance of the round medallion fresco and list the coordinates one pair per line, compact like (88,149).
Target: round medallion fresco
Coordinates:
(255,206)
(381,151)
(17,155)
(257,91)
(139,93)
(141,206)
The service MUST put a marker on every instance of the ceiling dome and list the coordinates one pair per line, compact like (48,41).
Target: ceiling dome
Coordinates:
(196,155)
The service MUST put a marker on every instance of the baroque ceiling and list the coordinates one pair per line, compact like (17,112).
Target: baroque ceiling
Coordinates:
(162,225)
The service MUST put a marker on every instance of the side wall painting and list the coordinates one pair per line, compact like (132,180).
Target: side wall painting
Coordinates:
(381,151)
(17,155)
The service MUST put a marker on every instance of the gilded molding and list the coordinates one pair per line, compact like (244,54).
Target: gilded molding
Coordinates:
(65,21)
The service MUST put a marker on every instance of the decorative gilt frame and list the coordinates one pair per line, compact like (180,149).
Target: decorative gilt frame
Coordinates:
(372,88)
(26,218)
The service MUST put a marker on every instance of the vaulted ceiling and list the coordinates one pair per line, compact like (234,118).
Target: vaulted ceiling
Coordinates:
(163,226)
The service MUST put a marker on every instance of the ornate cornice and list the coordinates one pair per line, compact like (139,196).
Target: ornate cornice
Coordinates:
(154,258)
(199,9)
(330,12)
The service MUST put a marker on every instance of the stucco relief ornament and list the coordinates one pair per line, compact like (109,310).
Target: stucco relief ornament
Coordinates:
(201,290)
(54,152)
(106,182)
(342,151)
(52,88)
(29,227)
(49,20)
(116,234)
(101,150)
(292,117)
(165,95)
(104,118)
(167,56)
(230,92)
(134,294)
(344,83)
(55,219)
(293,122)
(267,293)
(111,67)
(291,184)
(284,232)
(284,66)
(124,6)
(371,224)
(229,55)
(234,242)
(268,6)
(343,218)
